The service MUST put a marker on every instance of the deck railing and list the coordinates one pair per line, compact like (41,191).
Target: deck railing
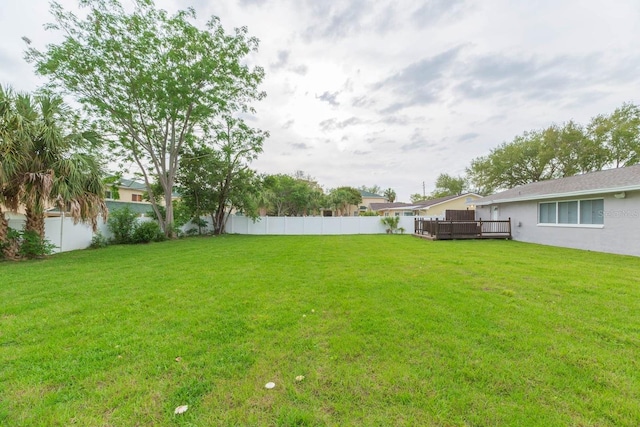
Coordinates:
(463,229)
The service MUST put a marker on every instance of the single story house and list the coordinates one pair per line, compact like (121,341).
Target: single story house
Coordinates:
(434,208)
(597,211)
(392,209)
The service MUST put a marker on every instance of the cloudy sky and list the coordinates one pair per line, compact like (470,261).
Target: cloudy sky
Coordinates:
(395,92)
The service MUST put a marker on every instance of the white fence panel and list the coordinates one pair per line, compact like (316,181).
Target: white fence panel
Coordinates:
(312,225)
(333,226)
(66,235)
(62,233)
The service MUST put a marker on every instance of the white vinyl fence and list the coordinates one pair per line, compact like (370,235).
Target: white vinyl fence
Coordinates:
(67,236)
(313,225)
(61,232)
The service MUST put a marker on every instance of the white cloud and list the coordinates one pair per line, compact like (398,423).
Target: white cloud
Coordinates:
(394,93)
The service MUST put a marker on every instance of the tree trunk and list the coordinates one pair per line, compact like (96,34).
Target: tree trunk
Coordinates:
(4,227)
(220,211)
(169,231)
(35,221)
(218,225)
(10,250)
(9,246)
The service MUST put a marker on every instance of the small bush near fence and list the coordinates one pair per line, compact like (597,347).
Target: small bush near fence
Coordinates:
(25,244)
(125,227)
(391,222)
(121,224)
(146,232)
(99,241)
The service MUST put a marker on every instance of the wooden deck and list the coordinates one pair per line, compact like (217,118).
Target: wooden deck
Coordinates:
(434,229)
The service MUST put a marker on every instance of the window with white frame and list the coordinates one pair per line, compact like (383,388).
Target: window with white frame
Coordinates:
(586,212)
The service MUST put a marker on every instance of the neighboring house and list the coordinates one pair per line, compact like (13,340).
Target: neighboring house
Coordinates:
(130,194)
(368,199)
(433,208)
(128,191)
(393,209)
(365,205)
(438,207)
(598,211)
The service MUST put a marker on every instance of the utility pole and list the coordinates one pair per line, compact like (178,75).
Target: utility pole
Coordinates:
(424,194)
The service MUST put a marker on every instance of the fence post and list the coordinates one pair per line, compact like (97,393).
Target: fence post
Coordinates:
(61,229)
(480,219)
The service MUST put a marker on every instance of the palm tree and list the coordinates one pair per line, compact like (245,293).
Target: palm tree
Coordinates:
(59,171)
(390,195)
(54,166)
(14,146)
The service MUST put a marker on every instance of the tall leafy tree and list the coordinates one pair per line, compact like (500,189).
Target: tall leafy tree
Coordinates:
(155,79)
(448,185)
(238,145)
(375,189)
(417,197)
(574,151)
(390,195)
(285,195)
(526,159)
(561,150)
(619,135)
(216,179)
(343,197)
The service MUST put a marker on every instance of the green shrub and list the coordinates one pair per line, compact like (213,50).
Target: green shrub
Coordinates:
(391,222)
(145,232)
(33,246)
(98,241)
(192,232)
(122,223)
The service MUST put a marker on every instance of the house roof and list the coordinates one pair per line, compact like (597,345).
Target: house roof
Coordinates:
(370,195)
(433,202)
(601,182)
(384,206)
(134,185)
(139,186)
(399,206)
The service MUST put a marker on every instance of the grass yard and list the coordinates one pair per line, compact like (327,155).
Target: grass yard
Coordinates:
(386,330)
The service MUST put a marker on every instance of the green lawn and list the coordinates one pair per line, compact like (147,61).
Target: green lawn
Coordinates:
(387,330)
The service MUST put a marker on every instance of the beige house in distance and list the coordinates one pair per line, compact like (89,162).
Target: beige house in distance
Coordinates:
(368,199)
(128,191)
(130,194)
(434,208)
